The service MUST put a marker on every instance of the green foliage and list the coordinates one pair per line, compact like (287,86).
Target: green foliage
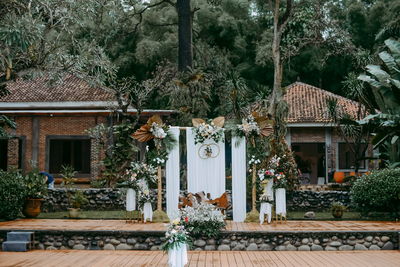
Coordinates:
(12,194)
(338,206)
(78,199)
(5,123)
(67,173)
(35,184)
(384,80)
(378,191)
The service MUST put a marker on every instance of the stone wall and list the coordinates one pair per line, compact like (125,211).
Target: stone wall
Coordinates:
(315,201)
(114,199)
(285,241)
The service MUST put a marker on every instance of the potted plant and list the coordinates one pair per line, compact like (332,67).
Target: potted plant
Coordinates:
(337,209)
(77,200)
(35,190)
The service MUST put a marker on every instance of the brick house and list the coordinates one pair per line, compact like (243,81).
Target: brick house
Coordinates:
(317,146)
(52,123)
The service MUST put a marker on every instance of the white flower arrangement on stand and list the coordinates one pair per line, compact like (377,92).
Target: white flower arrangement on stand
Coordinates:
(177,239)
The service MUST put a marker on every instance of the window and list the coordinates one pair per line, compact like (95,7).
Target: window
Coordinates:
(3,154)
(347,157)
(74,152)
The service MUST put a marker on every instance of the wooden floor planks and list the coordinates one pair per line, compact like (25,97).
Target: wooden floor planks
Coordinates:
(120,225)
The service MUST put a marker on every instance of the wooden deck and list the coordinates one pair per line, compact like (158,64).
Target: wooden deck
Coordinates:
(120,225)
(200,259)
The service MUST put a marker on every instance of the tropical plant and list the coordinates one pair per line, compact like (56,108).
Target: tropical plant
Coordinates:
(378,191)
(35,184)
(384,80)
(78,199)
(12,194)
(67,173)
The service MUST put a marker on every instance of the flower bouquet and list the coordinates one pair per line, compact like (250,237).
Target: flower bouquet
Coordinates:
(210,130)
(177,238)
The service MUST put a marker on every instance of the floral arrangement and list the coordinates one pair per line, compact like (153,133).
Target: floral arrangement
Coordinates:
(203,220)
(249,127)
(144,195)
(159,131)
(208,131)
(274,172)
(138,171)
(175,236)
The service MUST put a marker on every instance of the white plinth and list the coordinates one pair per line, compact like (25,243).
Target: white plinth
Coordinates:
(130,200)
(265,209)
(280,196)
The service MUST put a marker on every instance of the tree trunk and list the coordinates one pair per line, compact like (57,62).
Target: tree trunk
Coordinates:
(185,23)
(276,56)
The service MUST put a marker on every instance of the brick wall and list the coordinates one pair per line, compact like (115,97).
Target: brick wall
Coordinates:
(53,125)
(307,135)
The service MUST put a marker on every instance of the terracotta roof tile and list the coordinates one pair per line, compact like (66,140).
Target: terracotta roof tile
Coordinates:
(39,90)
(308,104)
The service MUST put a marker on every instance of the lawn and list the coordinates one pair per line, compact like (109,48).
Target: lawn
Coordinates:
(119,214)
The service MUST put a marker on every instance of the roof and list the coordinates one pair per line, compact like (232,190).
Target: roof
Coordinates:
(308,104)
(71,89)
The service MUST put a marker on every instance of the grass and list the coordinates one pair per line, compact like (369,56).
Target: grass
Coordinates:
(292,215)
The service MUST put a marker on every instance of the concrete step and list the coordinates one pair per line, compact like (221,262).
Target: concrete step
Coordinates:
(16,246)
(20,236)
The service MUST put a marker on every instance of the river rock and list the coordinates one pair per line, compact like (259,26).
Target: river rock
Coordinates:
(360,247)
(385,238)
(346,247)
(316,248)
(304,248)
(224,247)
(199,243)
(374,247)
(109,247)
(252,247)
(388,246)
(123,247)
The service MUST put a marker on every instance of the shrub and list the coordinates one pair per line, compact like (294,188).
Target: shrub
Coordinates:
(378,191)
(202,221)
(12,194)
(35,184)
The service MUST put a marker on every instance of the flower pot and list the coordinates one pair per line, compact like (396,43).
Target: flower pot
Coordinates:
(337,214)
(339,177)
(32,207)
(74,213)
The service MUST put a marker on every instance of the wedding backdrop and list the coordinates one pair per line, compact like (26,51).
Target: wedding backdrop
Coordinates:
(207,172)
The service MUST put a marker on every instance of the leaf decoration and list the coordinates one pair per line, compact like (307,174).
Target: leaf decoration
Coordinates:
(155,118)
(196,122)
(219,121)
(264,123)
(143,134)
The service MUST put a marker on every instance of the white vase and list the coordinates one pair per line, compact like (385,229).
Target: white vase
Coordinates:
(177,257)
(280,200)
(130,200)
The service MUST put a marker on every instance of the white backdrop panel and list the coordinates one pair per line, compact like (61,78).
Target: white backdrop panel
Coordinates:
(239,178)
(172,174)
(206,175)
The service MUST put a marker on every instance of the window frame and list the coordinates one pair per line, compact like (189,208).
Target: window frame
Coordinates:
(349,170)
(67,137)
